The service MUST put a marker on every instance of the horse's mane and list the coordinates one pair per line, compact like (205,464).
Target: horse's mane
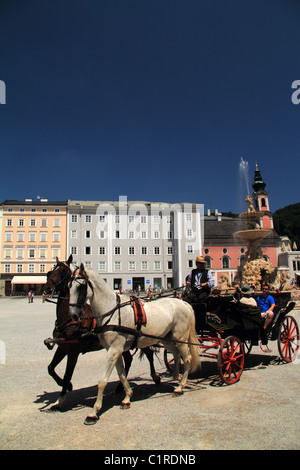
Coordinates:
(99,282)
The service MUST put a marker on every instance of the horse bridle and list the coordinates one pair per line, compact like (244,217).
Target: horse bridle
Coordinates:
(63,279)
(81,300)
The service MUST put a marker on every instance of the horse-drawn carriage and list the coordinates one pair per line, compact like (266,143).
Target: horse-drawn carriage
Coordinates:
(228,329)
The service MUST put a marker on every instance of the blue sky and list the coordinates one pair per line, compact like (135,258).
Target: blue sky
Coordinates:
(157,100)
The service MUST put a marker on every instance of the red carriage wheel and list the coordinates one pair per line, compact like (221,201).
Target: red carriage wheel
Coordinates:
(288,339)
(231,360)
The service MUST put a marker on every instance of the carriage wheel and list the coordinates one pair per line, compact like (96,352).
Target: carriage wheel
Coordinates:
(288,339)
(231,360)
(169,362)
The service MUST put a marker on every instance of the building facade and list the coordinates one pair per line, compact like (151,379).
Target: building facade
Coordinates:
(33,235)
(135,245)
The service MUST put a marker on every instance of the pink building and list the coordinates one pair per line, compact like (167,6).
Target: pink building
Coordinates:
(223,252)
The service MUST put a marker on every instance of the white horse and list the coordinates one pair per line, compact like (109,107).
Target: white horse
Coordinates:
(170,320)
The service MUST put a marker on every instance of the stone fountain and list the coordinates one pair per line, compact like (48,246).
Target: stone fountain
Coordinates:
(254,234)
(256,269)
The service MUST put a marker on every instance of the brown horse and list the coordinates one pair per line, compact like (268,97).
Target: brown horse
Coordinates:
(74,336)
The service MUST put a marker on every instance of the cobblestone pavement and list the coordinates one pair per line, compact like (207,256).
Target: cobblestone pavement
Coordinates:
(261,411)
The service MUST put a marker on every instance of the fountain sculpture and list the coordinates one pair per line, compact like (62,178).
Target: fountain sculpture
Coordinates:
(256,269)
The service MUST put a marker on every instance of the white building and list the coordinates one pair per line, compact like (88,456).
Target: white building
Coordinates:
(135,244)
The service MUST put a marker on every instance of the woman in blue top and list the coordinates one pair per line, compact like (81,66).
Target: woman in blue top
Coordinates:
(266,303)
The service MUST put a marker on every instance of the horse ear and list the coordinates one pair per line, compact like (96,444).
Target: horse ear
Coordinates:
(57,260)
(81,270)
(70,259)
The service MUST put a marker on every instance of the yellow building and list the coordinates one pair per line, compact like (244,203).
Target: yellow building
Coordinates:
(33,235)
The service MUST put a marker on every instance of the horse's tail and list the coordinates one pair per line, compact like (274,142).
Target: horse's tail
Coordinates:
(194,345)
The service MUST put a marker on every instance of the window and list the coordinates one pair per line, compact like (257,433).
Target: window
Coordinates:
(42,268)
(31,268)
(144,265)
(73,233)
(8,236)
(155,219)
(156,234)
(225,262)
(19,268)
(87,234)
(157,250)
(21,223)
(87,250)
(169,235)
(131,265)
(190,249)
(55,210)
(144,250)
(31,253)
(131,234)
(32,236)
(9,222)
(32,223)
(156,265)
(32,209)
(20,236)
(131,219)
(208,261)
(102,218)
(56,236)
(143,234)
(117,234)
(7,268)
(74,218)
(44,222)
(42,252)
(143,219)
(117,219)
(188,217)
(170,250)
(117,250)
(170,265)
(225,251)
(131,250)
(101,266)
(20,253)
(55,252)
(117,265)
(189,233)
(88,218)
(43,236)
(56,223)
(101,250)
(7,253)
(73,250)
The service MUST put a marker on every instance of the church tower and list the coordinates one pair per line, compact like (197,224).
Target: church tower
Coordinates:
(261,200)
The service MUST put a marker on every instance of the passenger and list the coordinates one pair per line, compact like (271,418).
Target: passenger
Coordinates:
(201,279)
(246,298)
(266,303)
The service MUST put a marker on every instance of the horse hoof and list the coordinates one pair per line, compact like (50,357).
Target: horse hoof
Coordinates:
(125,406)
(156,379)
(177,393)
(70,387)
(55,407)
(91,420)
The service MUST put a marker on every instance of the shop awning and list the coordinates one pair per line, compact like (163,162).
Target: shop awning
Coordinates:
(29,280)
